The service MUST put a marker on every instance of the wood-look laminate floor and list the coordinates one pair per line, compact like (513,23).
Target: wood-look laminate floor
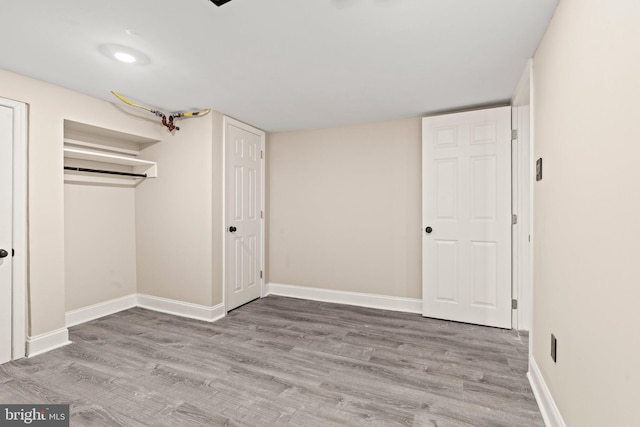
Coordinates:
(282,362)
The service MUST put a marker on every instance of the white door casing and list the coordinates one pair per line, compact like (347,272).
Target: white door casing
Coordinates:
(521,241)
(466,175)
(523,179)
(244,207)
(13,228)
(515,211)
(6,231)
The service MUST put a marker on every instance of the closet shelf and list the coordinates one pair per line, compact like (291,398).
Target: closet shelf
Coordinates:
(72,153)
(101,147)
(108,162)
(94,137)
(99,156)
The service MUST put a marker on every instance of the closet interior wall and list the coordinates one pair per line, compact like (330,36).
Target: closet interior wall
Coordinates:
(100,215)
(100,251)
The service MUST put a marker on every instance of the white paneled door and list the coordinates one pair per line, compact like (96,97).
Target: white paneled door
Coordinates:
(466,173)
(6,231)
(244,215)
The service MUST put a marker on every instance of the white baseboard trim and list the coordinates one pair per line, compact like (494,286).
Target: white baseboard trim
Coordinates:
(95,311)
(180,308)
(548,408)
(384,302)
(43,343)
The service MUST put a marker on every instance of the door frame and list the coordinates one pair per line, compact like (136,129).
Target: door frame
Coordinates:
(20,236)
(523,179)
(225,121)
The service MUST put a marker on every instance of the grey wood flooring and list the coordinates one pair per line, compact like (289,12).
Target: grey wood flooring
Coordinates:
(282,361)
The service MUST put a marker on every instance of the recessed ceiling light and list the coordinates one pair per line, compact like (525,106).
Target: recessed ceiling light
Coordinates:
(125,54)
(125,57)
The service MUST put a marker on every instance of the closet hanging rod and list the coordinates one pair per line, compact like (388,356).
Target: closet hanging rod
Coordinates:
(137,175)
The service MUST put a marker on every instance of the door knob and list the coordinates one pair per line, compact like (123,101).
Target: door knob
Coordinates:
(232,229)
(428,230)
(3,253)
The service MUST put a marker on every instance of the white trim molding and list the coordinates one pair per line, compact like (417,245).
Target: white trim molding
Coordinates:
(95,311)
(182,309)
(19,228)
(43,343)
(383,302)
(522,201)
(148,302)
(548,408)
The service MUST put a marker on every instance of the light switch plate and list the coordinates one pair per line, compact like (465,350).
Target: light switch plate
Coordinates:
(539,169)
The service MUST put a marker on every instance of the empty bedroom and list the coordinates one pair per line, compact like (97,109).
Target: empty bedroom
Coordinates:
(319,213)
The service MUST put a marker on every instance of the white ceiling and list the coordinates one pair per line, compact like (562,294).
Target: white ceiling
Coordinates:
(282,64)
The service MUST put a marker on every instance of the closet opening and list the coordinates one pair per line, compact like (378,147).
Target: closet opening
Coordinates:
(102,170)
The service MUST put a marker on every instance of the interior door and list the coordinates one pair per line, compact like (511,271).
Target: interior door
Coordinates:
(466,175)
(6,231)
(243,265)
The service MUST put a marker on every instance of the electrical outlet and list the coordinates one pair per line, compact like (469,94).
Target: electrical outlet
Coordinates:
(554,347)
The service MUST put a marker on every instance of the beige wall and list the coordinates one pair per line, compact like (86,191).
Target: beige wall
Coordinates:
(345,208)
(174,216)
(99,244)
(586,229)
